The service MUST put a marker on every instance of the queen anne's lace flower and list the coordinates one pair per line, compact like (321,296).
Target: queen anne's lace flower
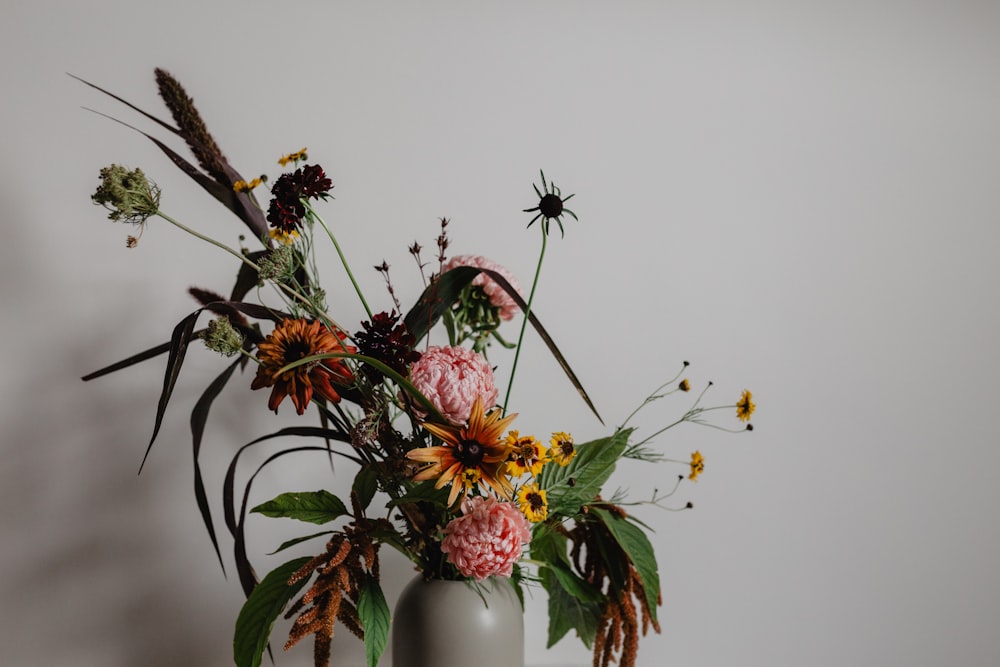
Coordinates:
(487,539)
(452,378)
(498,296)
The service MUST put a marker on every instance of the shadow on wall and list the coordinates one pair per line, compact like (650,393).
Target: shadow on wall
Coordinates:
(94,570)
(99,566)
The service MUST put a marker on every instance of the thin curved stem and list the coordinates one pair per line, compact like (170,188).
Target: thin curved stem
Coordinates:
(524,323)
(340,253)
(246,260)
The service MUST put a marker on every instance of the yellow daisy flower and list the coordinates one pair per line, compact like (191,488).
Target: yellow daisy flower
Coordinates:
(533,503)
(697,465)
(285,237)
(292,157)
(745,406)
(243,186)
(562,449)
(527,455)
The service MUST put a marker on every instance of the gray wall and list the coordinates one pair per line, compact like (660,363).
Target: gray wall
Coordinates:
(799,198)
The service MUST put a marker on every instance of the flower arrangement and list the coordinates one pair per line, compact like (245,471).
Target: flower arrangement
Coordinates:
(460,492)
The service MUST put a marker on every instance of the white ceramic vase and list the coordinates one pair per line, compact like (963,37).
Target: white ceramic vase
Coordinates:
(456,623)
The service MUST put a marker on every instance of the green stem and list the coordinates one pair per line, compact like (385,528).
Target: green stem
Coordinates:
(524,323)
(340,253)
(243,258)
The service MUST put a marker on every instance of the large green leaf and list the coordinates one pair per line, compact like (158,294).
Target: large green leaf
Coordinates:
(574,585)
(636,545)
(373,611)
(569,487)
(568,612)
(423,492)
(312,506)
(548,545)
(574,604)
(266,602)
(365,485)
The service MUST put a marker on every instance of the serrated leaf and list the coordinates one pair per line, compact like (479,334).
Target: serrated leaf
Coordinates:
(312,506)
(636,545)
(373,612)
(263,606)
(569,487)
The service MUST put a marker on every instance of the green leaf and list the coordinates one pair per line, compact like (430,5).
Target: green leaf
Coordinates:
(299,540)
(365,485)
(574,585)
(567,612)
(570,487)
(313,506)
(548,545)
(574,604)
(423,492)
(636,545)
(266,602)
(373,611)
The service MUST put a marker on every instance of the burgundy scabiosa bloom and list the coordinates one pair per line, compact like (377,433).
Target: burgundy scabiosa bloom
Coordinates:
(385,338)
(286,210)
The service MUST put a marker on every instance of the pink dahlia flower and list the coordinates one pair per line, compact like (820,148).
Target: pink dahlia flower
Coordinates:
(498,296)
(487,539)
(452,378)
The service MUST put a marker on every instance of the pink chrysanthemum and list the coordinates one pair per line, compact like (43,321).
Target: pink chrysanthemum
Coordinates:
(452,378)
(498,296)
(487,539)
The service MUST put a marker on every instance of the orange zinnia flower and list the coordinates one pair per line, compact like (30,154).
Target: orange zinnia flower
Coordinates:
(297,339)
(471,454)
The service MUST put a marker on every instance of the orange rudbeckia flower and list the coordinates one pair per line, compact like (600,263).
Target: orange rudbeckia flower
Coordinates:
(297,339)
(471,454)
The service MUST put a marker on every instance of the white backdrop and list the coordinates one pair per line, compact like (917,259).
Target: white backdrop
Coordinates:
(799,198)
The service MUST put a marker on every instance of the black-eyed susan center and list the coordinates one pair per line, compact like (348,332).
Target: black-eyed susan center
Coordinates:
(528,451)
(535,501)
(470,453)
(551,206)
(295,350)
(291,341)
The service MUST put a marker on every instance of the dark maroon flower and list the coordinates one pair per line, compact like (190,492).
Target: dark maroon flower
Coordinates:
(387,340)
(286,210)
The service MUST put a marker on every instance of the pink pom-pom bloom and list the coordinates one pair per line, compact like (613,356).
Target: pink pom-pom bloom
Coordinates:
(487,539)
(452,378)
(498,296)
